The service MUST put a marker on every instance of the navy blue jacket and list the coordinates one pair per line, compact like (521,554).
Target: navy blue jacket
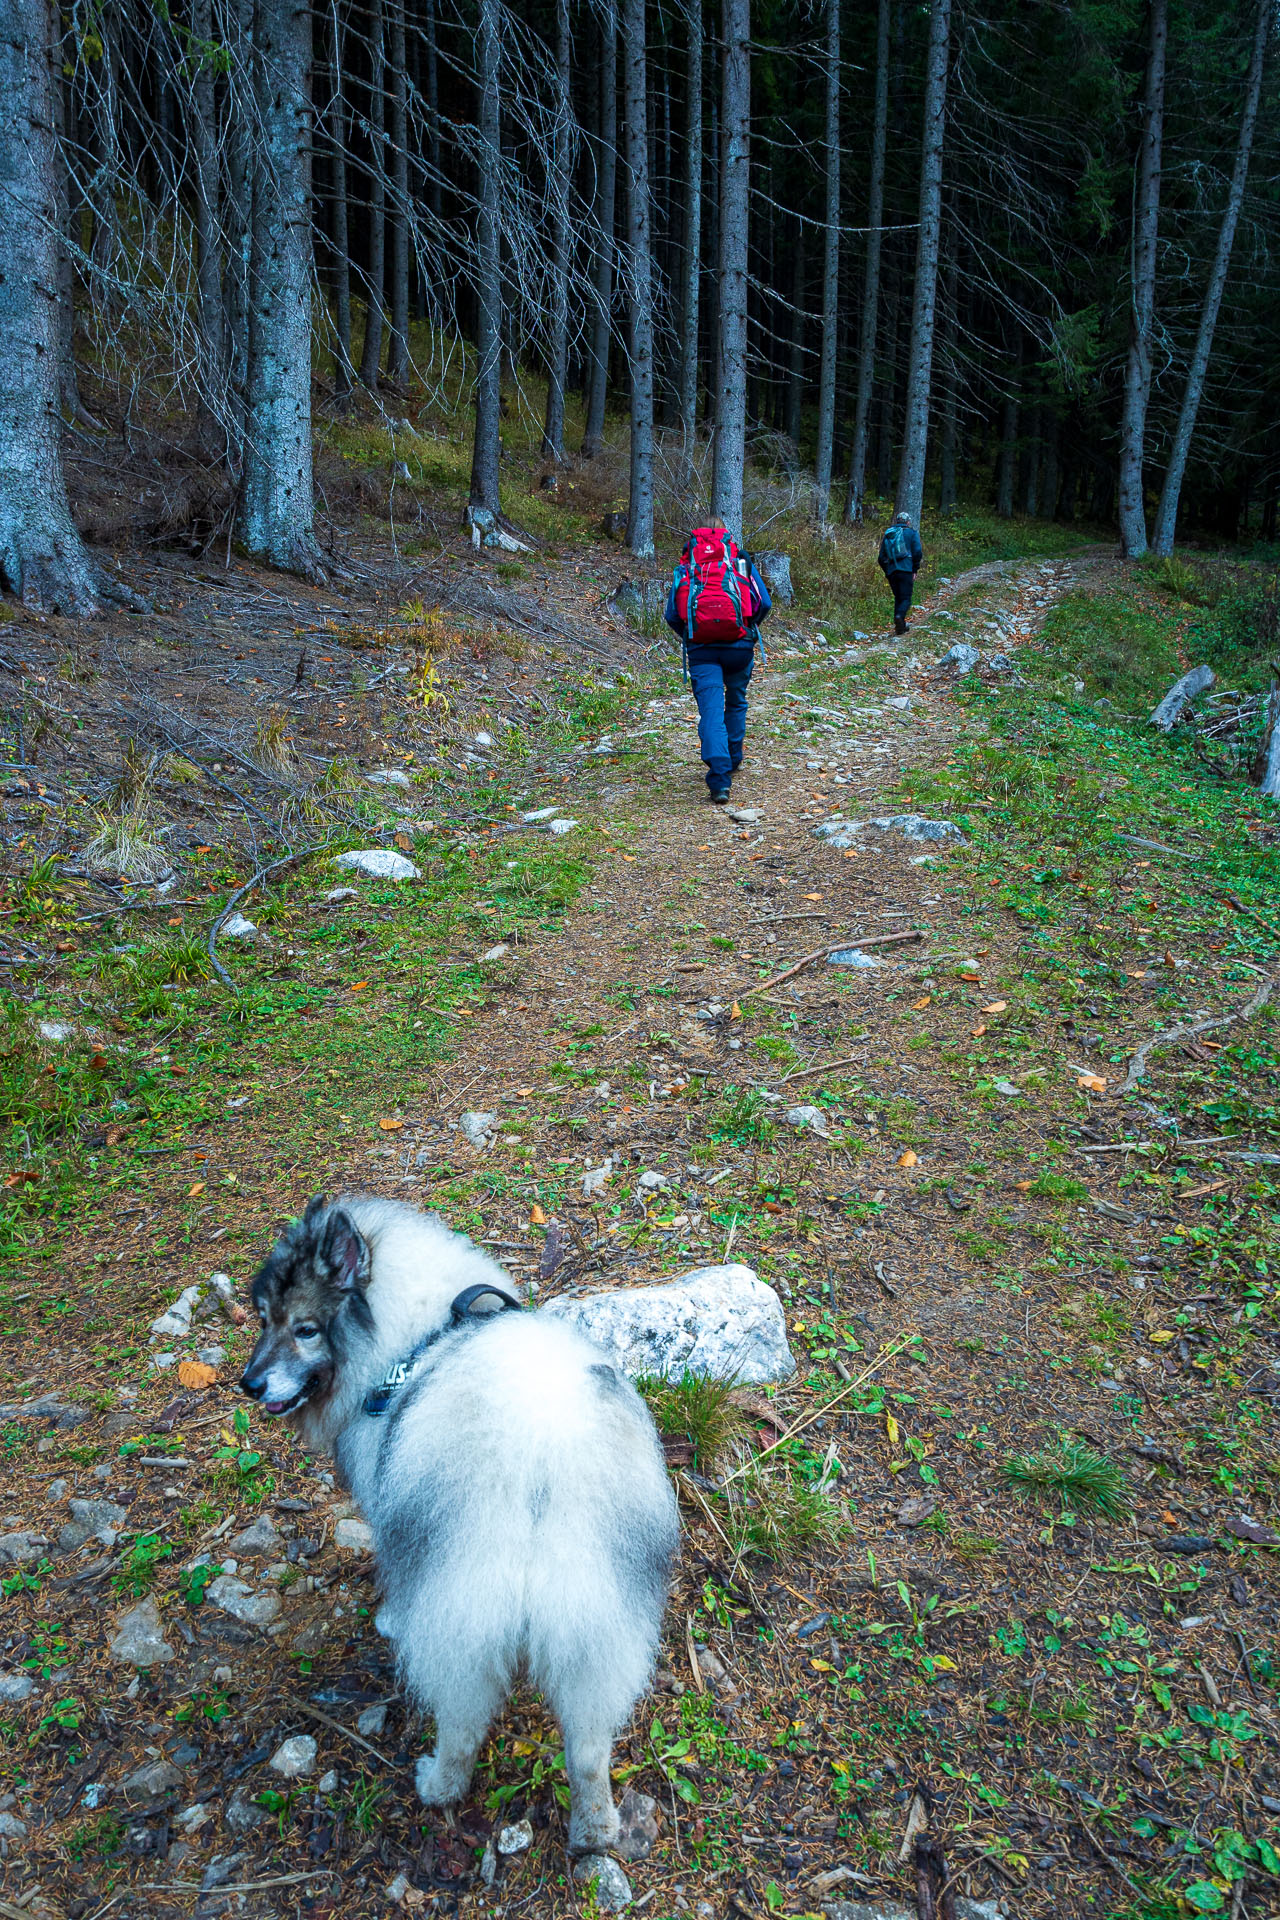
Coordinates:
(761,603)
(917,554)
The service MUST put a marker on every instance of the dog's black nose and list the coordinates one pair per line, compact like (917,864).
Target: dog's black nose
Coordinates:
(255,1387)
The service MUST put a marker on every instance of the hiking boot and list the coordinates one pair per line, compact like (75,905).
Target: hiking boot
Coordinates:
(899,626)
(719,795)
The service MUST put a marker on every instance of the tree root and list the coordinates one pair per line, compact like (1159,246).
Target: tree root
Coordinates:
(1190,1031)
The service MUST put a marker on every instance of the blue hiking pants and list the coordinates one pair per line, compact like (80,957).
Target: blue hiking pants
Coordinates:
(901,584)
(720,675)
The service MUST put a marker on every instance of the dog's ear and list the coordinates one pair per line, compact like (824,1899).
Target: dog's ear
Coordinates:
(343,1252)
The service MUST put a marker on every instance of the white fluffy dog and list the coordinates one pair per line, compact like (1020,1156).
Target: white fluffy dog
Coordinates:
(512,1477)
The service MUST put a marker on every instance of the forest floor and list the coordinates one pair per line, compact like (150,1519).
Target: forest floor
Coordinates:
(1020,1565)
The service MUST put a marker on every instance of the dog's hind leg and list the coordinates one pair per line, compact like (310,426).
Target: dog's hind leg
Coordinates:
(463,1713)
(593,1818)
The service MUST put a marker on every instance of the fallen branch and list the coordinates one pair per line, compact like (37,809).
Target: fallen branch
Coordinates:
(880,1360)
(1191,1030)
(802,1073)
(820,953)
(327,1719)
(263,873)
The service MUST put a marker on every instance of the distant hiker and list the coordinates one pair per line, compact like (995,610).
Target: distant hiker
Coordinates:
(900,558)
(715,605)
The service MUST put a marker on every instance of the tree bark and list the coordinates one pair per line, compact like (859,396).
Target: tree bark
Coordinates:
(375,273)
(339,237)
(731,394)
(204,143)
(276,509)
(42,557)
(691,259)
(399,214)
(238,30)
(1167,512)
(1146,221)
(488,385)
(830,275)
(640,292)
(795,363)
(433,108)
(1008,456)
(606,159)
(950,389)
(871,281)
(910,495)
(560,162)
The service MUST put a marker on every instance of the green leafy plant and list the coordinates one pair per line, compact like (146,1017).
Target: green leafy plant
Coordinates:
(742,1115)
(194,1581)
(1075,1475)
(136,1573)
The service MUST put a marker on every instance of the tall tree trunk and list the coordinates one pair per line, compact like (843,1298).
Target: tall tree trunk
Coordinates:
(488,388)
(433,108)
(238,33)
(276,509)
(371,352)
(691,259)
(950,387)
(915,445)
(42,557)
(1146,221)
(204,143)
(1167,513)
(399,213)
(795,362)
(640,292)
(1049,461)
(830,275)
(339,239)
(871,281)
(735,205)
(606,159)
(559,160)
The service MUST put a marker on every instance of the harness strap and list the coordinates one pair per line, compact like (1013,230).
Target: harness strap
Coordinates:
(378,1398)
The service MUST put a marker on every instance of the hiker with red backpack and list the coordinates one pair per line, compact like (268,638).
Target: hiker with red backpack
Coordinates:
(900,558)
(716,603)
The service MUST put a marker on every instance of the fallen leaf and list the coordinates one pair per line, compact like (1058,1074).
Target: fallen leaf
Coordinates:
(176,921)
(918,1006)
(390,1126)
(1164,1336)
(193,1190)
(821,1666)
(979,1030)
(971,976)
(943,1661)
(1024,1186)
(115,1134)
(522,1093)
(891,1428)
(631,856)
(1139,973)
(194,1373)
(537,1217)
(1092,1082)
(359,986)
(98,1063)
(997,1006)
(772,1206)
(908,1159)
(811,896)
(403,841)
(735,1011)
(18,1179)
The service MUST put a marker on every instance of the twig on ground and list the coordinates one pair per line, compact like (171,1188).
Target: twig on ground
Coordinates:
(820,953)
(1189,1030)
(318,1713)
(263,873)
(880,1360)
(803,1073)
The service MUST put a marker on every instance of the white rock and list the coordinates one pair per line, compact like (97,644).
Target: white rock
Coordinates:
(1007,1088)
(337,894)
(852,957)
(11,1828)
(371,1722)
(389,777)
(56,1030)
(745,816)
(355,1535)
(15,1687)
(900,702)
(238,1599)
(499,952)
(561,826)
(397,1889)
(380,863)
(808,1120)
(962,657)
(595,1179)
(294,1757)
(192,1818)
(612,1887)
(261,1536)
(211,1356)
(516,1838)
(719,1320)
(16,1549)
(651,1181)
(844,833)
(138,1640)
(176,1320)
(328,1782)
(484,739)
(478,1127)
(540,813)
(236,927)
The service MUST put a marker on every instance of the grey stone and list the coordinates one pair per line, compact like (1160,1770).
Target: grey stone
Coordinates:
(596,1179)
(157,1777)
(236,927)
(516,1838)
(853,957)
(211,1356)
(651,1181)
(16,1549)
(637,1825)
(1001,663)
(389,777)
(807,1120)
(328,1782)
(92,1520)
(914,826)
(913,1512)
(559,827)
(775,570)
(745,816)
(499,952)
(1180,696)
(371,1722)
(355,1535)
(868,1910)
(612,1887)
(379,863)
(720,1320)
(1007,1088)
(478,1128)
(11,1828)
(962,657)
(294,1757)
(138,1640)
(336,895)
(15,1687)
(57,1490)
(233,1596)
(262,1536)
(241,1814)
(175,1321)
(397,1889)
(47,1407)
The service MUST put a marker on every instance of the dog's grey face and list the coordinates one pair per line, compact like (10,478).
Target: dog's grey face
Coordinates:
(309,1294)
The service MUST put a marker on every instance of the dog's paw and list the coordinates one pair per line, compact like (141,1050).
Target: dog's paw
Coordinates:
(593,1830)
(437,1786)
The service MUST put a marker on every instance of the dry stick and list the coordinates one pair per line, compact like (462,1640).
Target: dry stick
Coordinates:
(232,1886)
(820,953)
(818,1412)
(1171,1036)
(263,873)
(802,1073)
(317,1713)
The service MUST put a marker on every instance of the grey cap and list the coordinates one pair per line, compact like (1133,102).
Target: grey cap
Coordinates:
(902,519)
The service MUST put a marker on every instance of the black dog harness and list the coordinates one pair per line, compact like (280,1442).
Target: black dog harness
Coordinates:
(378,1398)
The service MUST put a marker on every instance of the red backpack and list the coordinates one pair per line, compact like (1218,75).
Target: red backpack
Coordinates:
(714,598)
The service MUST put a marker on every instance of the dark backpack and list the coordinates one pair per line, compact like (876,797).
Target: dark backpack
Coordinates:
(714,599)
(897,548)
